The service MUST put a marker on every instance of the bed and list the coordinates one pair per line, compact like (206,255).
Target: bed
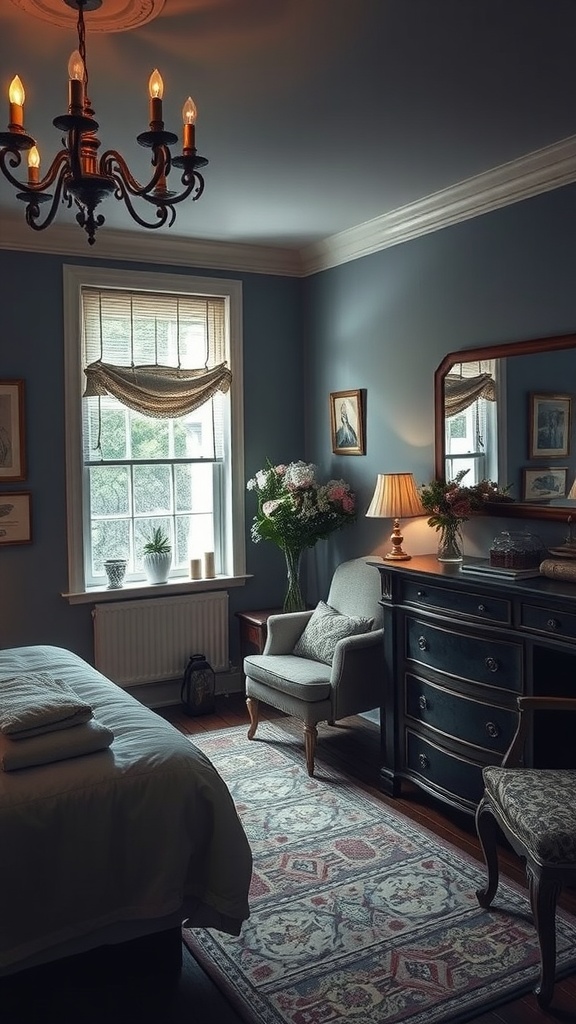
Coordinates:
(107,847)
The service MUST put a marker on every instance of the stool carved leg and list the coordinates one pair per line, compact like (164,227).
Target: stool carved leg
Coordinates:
(252,706)
(487,829)
(310,737)
(543,897)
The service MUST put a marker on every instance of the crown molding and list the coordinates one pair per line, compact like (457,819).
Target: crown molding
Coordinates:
(541,171)
(165,250)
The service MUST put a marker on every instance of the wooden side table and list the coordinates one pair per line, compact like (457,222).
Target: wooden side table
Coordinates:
(254,630)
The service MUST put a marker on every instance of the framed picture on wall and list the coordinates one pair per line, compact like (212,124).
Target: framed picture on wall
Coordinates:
(347,423)
(15,518)
(12,460)
(544,484)
(550,423)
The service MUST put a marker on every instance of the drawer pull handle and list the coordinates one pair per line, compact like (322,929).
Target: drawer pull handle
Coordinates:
(423,702)
(553,624)
(420,593)
(423,761)
(422,643)
(492,730)
(491,664)
(481,607)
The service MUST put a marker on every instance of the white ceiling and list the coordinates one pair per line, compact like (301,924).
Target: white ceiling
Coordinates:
(316,115)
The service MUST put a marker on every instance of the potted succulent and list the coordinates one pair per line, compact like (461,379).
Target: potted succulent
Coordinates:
(157,556)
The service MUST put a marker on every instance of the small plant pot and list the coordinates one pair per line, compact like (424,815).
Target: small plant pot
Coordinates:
(115,569)
(157,566)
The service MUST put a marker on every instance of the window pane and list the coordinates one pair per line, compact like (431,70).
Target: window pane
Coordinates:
(152,489)
(110,539)
(202,489)
(200,537)
(183,488)
(142,531)
(149,437)
(109,491)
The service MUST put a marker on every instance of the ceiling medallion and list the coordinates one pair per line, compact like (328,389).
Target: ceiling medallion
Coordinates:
(113,16)
(77,174)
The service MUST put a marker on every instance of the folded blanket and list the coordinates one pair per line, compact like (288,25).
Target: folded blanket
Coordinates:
(54,746)
(36,703)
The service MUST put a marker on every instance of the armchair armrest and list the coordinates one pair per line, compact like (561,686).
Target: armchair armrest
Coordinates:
(346,649)
(527,706)
(284,631)
(357,676)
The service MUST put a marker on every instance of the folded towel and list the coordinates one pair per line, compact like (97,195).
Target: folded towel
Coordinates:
(38,702)
(54,746)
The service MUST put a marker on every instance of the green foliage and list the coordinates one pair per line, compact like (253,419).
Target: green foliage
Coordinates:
(448,503)
(158,543)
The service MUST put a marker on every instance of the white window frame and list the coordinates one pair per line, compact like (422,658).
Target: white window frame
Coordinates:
(233,525)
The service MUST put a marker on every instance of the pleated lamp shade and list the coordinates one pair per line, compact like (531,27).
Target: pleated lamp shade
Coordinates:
(396,497)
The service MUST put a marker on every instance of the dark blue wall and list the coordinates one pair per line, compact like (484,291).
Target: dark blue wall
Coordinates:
(381,323)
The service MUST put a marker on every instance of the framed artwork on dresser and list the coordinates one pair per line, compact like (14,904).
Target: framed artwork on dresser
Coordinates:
(550,420)
(12,461)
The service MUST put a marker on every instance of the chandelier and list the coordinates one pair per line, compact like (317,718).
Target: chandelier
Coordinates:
(78,175)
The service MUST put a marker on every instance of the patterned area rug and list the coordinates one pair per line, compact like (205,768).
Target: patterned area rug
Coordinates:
(356,913)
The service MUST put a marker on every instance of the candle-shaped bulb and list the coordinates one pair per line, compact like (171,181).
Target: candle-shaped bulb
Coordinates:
(16,92)
(189,111)
(156,91)
(156,85)
(33,165)
(189,115)
(76,67)
(16,95)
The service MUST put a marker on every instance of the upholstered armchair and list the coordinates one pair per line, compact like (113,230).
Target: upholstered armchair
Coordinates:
(536,810)
(326,664)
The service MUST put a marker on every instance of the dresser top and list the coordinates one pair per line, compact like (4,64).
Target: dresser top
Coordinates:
(429,566)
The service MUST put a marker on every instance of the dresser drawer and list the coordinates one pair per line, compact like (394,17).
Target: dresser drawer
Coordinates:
(478,606)
(545,620)
(472,721)
(495,663)
(446,772)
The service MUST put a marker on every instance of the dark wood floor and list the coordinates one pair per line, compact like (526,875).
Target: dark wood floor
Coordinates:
(92,991)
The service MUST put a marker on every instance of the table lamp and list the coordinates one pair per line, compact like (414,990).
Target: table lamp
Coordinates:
(395,497)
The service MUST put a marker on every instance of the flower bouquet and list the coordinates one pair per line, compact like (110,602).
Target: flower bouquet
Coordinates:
(449,504)
(295,511)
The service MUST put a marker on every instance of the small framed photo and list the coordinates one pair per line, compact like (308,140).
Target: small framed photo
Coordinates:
(347,423)
(544,484)
(12,460)
(550,424)
(16,518)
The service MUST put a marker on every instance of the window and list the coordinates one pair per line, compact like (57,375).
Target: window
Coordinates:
(137,344)
(471,403)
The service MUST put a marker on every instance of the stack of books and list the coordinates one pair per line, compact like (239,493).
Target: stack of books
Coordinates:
(482,567)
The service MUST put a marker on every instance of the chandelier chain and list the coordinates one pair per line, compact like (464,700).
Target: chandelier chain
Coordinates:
(82,41)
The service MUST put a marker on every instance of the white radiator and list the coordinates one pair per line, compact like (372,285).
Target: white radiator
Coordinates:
(151,640)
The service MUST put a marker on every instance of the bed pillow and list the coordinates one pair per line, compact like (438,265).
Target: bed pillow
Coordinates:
(324,629)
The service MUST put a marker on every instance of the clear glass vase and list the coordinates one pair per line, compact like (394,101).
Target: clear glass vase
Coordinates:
(293,601)
(450,543)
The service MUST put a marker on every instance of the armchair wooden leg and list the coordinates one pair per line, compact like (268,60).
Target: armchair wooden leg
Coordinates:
(310,737)
(543,898)
(252,706)
(487,829)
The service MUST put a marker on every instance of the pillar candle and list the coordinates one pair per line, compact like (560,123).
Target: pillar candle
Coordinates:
(196,569)
(209,572)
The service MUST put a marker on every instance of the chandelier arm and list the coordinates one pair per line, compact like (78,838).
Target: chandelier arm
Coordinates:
(59,162)
(164,209)
(33,206)
(114,165)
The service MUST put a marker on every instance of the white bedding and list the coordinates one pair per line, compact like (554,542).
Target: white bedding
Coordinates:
(110,845)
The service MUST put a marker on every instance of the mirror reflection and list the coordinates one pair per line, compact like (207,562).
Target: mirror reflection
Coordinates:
(506,414)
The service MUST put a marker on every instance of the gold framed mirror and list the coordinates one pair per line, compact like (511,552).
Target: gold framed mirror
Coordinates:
(531,380)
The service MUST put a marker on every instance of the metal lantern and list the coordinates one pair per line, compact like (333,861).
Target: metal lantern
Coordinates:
(198,686)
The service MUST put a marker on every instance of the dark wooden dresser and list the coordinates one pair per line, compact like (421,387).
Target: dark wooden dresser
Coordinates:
(458,651)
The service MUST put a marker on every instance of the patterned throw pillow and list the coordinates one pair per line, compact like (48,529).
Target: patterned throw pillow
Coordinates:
(325,628)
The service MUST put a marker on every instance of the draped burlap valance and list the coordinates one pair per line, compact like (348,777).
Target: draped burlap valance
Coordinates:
(161,391)
(461,392)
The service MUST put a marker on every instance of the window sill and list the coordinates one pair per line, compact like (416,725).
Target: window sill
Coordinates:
(97,595)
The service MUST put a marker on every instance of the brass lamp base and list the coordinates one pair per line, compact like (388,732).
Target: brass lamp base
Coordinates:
(397,554)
